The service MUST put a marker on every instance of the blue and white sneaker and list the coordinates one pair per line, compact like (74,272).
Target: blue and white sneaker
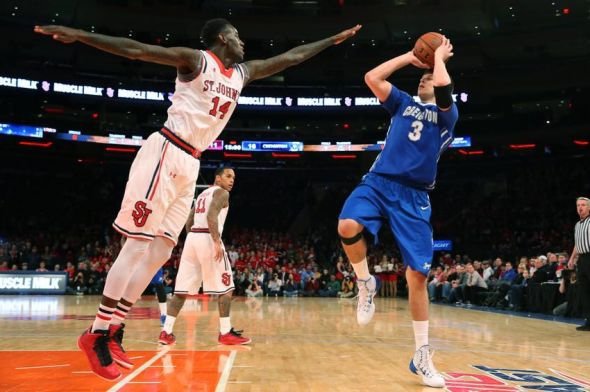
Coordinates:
(162,320)
(366,306)
(422,365)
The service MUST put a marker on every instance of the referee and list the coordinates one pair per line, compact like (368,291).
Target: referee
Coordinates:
(582,251)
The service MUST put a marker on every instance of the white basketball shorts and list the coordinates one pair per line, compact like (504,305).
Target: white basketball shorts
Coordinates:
(197,265)
(159,191)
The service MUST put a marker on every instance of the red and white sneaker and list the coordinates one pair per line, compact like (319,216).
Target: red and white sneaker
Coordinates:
(116,346)
(233,338)
(166,338)
(96,347)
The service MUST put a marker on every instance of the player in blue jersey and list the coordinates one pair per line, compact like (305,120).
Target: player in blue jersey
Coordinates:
(396,190)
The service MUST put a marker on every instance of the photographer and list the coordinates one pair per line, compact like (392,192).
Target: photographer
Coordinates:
(290,287)
(347,288)
(274,286)
(254,289)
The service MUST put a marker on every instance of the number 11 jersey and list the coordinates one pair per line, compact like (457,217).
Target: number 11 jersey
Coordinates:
(202,209)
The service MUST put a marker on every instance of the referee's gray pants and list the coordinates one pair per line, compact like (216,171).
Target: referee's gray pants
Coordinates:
(583,280)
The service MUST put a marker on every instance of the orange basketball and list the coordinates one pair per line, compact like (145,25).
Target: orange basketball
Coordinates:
(425,47)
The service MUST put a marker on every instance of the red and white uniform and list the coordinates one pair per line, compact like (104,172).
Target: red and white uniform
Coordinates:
(162,178)
(196,263)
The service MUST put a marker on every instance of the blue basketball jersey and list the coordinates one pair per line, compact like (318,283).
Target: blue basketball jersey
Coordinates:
(417,136)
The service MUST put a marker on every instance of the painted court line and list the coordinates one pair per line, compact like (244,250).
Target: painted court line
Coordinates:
(222,384)
(577,380)
(41,367)
(140,369)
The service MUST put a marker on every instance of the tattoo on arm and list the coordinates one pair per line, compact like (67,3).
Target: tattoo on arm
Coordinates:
(220,200)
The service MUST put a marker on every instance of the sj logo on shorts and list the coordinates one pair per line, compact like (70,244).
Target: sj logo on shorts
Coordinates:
(140,214)
(226,278)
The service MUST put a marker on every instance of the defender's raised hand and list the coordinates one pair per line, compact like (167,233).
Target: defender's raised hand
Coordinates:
(346,34)
(67,35)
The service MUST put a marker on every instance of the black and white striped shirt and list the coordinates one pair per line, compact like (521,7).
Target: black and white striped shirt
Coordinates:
(582,236)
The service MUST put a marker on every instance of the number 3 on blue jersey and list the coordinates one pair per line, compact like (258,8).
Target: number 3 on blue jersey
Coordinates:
(417,132)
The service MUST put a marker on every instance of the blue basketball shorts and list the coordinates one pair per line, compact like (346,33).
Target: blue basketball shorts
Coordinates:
(158,277)
(378,199)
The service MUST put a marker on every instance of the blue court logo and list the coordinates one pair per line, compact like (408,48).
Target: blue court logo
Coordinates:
(501,379)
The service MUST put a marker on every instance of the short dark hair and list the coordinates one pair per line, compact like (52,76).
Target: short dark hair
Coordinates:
(211,30)
(219,171)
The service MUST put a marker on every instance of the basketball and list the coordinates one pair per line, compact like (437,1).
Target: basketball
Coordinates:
(425,47)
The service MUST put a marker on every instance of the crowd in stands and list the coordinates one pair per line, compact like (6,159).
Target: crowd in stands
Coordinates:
(506,284)
(494,218)
(272,264)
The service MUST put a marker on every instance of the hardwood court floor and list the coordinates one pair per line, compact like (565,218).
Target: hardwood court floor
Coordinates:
(299,344)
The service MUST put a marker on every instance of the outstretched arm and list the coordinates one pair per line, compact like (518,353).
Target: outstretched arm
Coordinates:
(376,78)
(259,69)
(186,60)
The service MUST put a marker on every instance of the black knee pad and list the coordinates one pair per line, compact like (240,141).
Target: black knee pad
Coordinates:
(352,240)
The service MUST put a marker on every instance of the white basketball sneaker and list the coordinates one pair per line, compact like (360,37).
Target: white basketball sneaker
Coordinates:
(422,365)
(366,306)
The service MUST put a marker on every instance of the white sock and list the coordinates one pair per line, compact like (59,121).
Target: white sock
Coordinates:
(103,318)
(420,333)
(169,324)
(162,306)
(120,313)
(361,269)
(224,325)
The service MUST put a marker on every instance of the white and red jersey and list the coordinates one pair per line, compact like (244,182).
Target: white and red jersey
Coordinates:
(202,209)
(202,107)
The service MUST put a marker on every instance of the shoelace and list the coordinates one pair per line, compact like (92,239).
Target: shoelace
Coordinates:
(366,299)
(425,364)
(102,350)
(236,333)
